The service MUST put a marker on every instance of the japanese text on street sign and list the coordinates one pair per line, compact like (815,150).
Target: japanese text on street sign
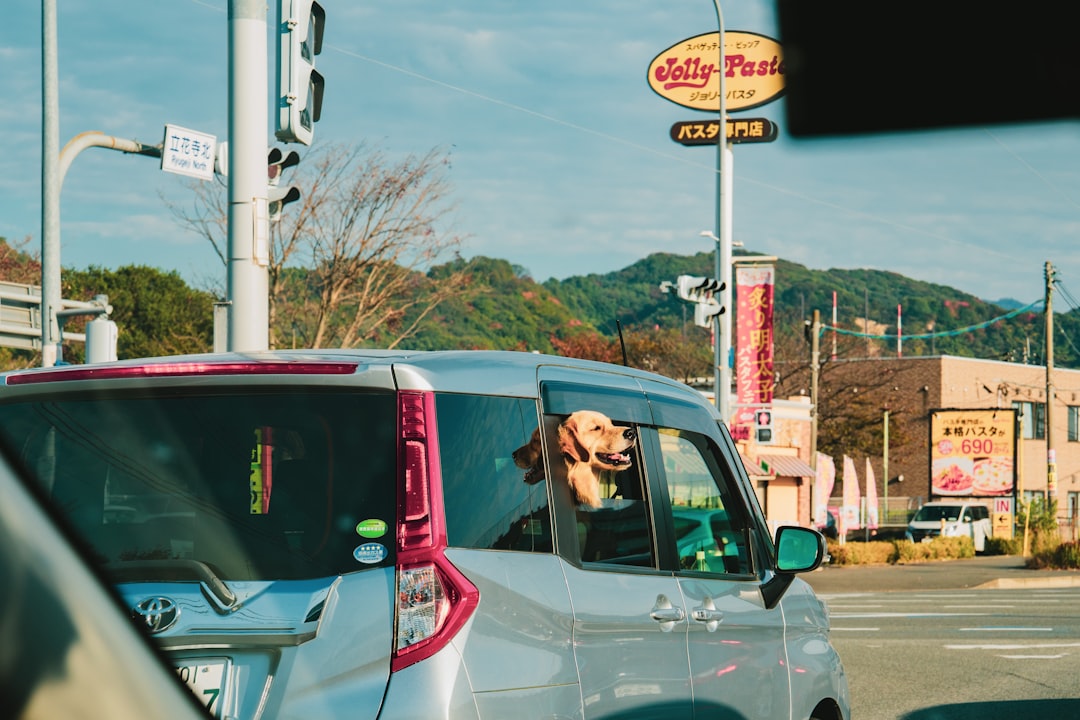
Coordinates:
(187,152)
(706,132)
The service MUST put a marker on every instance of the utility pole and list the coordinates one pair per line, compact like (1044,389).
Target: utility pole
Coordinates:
(50,186)
(248,215)
(1051,459)
(885,462)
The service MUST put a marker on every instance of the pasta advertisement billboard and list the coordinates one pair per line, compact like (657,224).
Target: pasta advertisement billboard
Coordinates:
(973,452)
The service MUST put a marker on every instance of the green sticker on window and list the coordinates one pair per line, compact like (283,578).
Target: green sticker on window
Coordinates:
(371,528)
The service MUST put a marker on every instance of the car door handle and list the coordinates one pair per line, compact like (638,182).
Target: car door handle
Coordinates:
(707,614)
(666,614)
(672,615)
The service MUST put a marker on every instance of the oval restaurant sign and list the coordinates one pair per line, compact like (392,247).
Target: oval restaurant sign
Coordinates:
(686,74)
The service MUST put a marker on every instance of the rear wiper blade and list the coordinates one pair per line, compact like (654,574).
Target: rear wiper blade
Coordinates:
(172,570)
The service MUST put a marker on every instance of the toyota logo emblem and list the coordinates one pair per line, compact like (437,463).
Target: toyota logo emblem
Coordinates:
(157,614)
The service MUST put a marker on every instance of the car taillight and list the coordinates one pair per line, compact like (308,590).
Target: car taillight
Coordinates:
(434,599)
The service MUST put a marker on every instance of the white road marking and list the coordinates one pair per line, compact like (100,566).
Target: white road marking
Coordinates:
(1007,629)
(994,606)
(849,616)
(1013,646)
(1034,657)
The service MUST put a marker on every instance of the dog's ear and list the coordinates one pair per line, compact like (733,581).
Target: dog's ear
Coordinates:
(569,443)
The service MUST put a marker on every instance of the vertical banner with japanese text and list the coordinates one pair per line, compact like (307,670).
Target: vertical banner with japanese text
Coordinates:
(973,452)
(754,377)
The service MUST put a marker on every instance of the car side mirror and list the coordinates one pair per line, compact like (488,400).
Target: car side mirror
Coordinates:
(798,550)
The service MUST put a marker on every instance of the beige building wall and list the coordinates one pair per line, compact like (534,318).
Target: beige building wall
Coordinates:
(916,386)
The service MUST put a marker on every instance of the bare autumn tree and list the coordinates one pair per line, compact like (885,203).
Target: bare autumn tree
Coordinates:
(349,263)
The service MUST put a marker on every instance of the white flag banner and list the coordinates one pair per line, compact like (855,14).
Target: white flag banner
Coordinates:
(849,510)
(871,497)
(823,487)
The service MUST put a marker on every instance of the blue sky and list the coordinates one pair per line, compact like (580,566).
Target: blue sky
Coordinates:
(561,159)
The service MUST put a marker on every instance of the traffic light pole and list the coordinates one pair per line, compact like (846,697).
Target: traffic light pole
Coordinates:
(248,216)
(722,323)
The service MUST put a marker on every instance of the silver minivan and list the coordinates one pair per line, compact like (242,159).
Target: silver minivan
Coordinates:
(352,534)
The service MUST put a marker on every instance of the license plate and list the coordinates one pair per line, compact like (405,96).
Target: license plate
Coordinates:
(207,679)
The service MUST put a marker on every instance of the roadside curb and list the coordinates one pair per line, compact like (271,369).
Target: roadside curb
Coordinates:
(1036,583)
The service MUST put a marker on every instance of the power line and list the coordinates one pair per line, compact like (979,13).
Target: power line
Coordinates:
(944,333)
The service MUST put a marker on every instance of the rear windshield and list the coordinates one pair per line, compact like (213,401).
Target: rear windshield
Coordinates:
(286,484)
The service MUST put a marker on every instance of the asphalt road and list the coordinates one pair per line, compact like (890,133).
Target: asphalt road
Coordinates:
(976,639)
(991,571)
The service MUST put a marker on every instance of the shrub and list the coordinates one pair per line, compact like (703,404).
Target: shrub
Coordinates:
(862,553)
(1039,519)
(908,551)
(1064,556)
(1068,555)
(1044,542)
(1039,515)
(953,547)
(940,548)
(1003,546)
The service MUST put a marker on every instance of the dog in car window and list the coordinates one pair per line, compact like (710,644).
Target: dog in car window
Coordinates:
(590,443)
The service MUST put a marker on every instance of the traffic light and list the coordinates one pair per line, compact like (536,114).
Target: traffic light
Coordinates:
(279,196)
(763,430)
(698,289)
(300,85)
(706,311)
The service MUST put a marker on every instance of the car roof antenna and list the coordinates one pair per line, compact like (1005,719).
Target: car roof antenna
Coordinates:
(622,343)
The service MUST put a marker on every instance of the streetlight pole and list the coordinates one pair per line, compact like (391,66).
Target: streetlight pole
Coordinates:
(722,323)
(885,464)
(50,186)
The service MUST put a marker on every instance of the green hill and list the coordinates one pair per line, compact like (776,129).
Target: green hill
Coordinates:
(507,309)
(514,312)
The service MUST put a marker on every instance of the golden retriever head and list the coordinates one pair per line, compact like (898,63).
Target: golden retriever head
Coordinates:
(591,443)
(530,458)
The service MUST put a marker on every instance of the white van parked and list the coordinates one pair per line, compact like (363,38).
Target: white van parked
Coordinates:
(951,518)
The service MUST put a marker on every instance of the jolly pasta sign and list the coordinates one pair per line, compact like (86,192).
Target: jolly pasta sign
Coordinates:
(973,452)
(687,72)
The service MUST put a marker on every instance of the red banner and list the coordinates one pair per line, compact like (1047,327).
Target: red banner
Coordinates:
(754,377)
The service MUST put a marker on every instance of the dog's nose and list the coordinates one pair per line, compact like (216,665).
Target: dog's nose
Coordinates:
(630,434)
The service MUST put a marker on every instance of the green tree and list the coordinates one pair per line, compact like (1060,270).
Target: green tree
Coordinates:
(156,313)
